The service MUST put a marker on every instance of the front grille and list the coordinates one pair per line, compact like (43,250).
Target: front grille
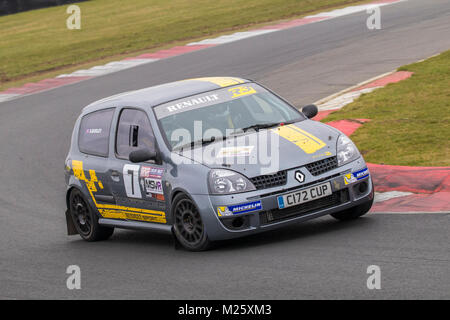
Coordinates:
(280,178)
(270,180)
(322,166)
(337,198)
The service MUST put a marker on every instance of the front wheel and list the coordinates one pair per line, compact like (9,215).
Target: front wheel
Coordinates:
(353,213)
(85,220)
(188,225)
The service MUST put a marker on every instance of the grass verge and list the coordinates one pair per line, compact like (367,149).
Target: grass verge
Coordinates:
(36,44)
(410,120)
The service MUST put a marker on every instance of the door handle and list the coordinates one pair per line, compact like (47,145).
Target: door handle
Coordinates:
(115,175)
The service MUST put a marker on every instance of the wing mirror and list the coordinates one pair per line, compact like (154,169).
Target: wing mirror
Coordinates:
(142,155)
(310,111)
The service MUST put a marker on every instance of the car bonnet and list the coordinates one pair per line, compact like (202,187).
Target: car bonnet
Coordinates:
(269,150)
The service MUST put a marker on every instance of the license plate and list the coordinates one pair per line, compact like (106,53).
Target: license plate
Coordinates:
(305,195)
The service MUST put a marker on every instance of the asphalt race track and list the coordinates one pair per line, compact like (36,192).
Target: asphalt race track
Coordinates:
(318,259)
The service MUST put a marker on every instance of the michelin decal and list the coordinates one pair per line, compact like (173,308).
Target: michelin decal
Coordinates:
(355,176)
(238,209)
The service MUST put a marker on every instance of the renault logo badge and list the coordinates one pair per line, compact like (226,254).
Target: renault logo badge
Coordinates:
(299,176)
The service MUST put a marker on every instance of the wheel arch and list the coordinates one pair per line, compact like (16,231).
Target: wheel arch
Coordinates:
(69,191)
(176,192)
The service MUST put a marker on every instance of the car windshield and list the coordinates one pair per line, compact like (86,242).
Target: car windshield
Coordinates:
(219,114)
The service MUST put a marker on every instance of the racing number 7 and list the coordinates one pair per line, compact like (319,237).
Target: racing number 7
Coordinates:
(131,180)
(131,173)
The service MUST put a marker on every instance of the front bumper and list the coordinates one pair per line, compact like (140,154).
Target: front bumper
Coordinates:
(264,214)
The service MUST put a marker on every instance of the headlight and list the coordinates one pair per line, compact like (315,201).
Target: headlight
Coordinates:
(226,181)
(346,150)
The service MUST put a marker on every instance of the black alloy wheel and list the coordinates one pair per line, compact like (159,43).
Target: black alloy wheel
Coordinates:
(188,225)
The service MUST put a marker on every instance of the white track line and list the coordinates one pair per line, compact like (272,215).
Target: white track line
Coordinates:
(384,196)
(232,37)
(108,68)
(344,99)
(337,94)
(9,96)
(352,9)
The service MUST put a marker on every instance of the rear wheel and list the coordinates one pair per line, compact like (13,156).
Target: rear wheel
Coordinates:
(188,225)
(85,220)
(353,213)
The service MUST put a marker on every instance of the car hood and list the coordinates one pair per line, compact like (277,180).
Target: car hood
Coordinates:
(269,150)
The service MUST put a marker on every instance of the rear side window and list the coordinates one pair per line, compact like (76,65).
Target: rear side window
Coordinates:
(93,136)
(134,132)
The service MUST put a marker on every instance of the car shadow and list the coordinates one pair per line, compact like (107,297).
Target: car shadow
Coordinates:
(136,238)
(300,231)
(139,239)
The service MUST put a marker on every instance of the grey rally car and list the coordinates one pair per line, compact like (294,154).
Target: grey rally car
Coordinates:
(208,159)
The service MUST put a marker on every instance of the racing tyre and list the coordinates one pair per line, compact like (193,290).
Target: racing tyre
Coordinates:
(188,225)
(354,212)
(85,220)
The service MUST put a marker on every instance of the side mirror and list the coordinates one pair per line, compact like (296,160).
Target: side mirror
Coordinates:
(310,111)
(142,155)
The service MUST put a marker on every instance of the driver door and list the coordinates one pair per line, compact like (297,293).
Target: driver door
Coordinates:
(137,187)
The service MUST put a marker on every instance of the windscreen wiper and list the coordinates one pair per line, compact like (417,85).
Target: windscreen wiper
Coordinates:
(259,126)
(192,144)
(268,125)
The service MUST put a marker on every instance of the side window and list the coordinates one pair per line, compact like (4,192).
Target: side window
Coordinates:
(93,137)
(133,132)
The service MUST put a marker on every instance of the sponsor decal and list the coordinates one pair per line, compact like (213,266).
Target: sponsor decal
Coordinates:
(242,151)
(241,91)
(158,196)
(348,178)
(239,208)
(192,102)
(151,181)
(131,215)
(325,154)
(302,139)
(205,100)
(361,174)
(94,131)
(151,172)
(152,186)
(355,176)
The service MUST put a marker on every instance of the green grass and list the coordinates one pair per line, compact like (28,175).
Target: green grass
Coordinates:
(410,119)
(38,42)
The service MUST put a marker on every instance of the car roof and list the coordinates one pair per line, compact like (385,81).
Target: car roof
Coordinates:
(156,95)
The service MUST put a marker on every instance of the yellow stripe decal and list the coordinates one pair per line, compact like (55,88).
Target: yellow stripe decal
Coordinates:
(308,134)
(304,140)
(221,81)
(111,210)
(121,214)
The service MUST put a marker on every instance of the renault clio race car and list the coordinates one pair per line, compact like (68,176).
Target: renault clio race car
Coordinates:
(208,159)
